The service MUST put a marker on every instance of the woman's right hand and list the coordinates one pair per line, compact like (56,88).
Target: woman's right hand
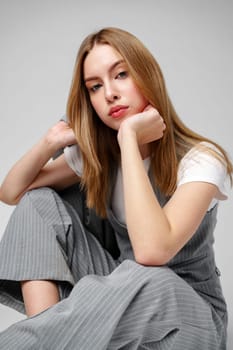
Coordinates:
(147,126)
(60,135)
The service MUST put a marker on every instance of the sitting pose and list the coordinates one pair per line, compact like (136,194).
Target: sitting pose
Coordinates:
(110,245)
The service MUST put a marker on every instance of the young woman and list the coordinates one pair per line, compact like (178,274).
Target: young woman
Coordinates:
(157,184)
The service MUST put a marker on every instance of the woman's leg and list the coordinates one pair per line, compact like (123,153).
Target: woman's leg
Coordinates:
(30,251)
(39,295)
(134,307)
(45,241)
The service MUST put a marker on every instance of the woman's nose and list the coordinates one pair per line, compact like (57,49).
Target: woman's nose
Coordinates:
(111,94)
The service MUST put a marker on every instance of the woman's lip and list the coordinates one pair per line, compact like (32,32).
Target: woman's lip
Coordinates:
(118,112)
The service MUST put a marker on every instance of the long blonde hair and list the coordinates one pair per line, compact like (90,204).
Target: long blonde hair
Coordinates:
(98,143)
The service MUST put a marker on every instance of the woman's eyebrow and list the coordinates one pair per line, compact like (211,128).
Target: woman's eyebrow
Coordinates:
(113,66)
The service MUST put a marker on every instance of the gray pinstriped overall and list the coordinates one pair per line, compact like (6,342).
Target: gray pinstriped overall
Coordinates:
(107,303)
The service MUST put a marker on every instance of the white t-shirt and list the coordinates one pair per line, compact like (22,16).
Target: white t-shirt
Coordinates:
(197,165)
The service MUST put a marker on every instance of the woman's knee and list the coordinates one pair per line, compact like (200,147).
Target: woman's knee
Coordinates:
(41,202)
(32,197)
(37,210)
(37,193)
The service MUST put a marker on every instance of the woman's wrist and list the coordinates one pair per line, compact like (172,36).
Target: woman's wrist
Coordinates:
(126,134)
(46,147)
(50,144)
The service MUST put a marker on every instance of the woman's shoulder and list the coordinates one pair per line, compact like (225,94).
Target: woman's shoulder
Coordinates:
(203,156)
(204,163)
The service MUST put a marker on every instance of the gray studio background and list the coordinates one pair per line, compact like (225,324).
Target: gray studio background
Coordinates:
(192,40)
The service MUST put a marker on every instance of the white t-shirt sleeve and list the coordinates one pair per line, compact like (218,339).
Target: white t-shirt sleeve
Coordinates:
(200,165)
(73,158)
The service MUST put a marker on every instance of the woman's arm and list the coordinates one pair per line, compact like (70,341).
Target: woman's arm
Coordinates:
(32,170)
(156,233)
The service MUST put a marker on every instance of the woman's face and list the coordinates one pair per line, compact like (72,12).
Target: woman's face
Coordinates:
(112,91)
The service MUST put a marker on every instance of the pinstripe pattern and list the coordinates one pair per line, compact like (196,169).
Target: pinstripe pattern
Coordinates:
(116,304)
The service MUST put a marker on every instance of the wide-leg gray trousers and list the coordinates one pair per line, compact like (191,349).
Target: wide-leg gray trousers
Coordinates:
(105,303)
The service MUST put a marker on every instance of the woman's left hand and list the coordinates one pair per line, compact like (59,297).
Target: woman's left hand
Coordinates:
(147,126)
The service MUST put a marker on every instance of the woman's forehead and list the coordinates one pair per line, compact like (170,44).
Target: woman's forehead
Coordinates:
(101,56)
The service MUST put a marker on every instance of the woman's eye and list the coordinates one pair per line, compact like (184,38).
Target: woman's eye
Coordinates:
(122,75)
(95,87)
